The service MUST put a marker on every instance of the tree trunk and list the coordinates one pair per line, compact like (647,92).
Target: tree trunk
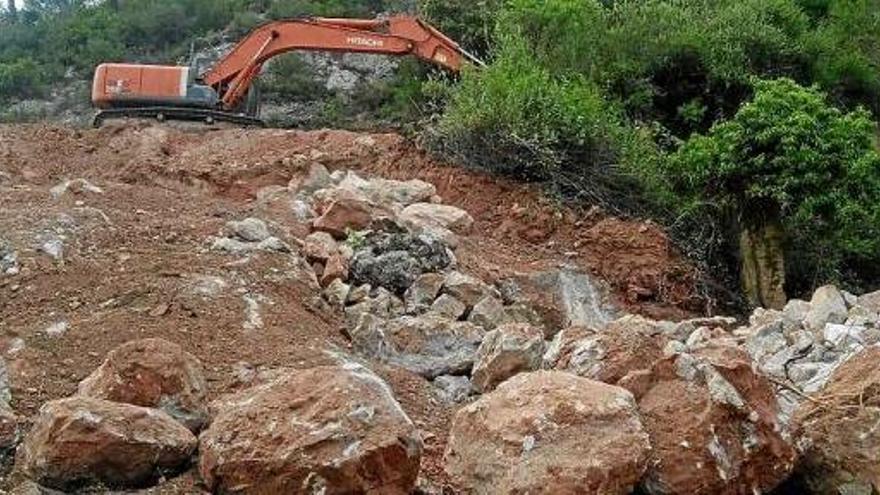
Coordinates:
(763,265)
(12,11)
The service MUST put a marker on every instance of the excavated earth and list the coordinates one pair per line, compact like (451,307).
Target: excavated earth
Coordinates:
(135,259)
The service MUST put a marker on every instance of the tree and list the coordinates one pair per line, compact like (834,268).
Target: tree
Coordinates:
(789,167)
(11,10)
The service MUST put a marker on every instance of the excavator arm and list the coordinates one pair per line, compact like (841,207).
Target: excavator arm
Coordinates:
(232,76)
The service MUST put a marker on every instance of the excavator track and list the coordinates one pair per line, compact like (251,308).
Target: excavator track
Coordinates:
(176,113)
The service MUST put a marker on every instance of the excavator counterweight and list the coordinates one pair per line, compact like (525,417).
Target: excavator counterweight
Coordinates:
(226,91)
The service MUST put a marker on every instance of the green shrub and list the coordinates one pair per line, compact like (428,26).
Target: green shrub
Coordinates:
(789,156)
(21,79)
(516,117)
(845,53)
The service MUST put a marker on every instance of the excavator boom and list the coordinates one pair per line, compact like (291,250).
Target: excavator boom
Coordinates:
(131,88)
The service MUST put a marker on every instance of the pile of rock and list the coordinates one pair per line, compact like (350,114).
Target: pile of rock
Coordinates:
(133,421)
(804,343)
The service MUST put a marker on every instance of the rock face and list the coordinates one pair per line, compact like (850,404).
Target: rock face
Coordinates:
(837,431)
(548,432)
(506,351)
(394,261)
(80,440)
(713,425)
(429,345)
(331,430)
(563,298)
(152,373)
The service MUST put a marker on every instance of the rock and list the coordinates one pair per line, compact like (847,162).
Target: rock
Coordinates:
(422,293)
(9,421)
(319,246)
(336,293)
(713,425)
(53,247)
(870,301)
(796,310)
(234,246)
(548,432)
(430,217)
(488,313)
(344,215)
(382,304)
(466,288)
(317,178)
(332,430)
(765,341)
(152,373)
(837,430)
(859,315)
(8,259)
(249,230)
(565,297)
(827,306)
(505,352)
(428,345)
(383,191)
(844,337)
(395,260)
(358,294)
(453,388)
(626,345)
(82,440)
(449,307)
(57,329)
(76,186)
(336,269)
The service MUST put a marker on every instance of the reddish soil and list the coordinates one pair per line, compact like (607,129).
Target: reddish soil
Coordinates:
(136,262)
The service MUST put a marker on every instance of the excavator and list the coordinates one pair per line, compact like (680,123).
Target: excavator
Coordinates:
(226,91)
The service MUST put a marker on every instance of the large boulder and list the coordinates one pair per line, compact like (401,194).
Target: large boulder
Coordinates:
(713,425)
(440,220)
(384,191)
(627,345)
(428,345)
(81,440)
(506,351)
(826,306)
(344,215)
(837,429)
(466,288)
(548,432)
(395,260)
(330,430)
(564,297)
(152,373)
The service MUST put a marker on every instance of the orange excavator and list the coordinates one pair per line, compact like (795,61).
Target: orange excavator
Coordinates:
(226,91)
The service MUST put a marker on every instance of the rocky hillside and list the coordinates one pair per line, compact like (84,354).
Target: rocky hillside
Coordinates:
(185,310)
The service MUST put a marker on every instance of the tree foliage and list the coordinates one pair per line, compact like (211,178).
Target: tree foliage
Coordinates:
(789,155)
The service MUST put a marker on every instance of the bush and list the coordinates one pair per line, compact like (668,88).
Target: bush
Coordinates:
(845,53)
(21,78)
(790,156)
(516,117)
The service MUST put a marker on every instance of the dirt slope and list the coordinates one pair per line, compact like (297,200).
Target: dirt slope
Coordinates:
(136,262)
